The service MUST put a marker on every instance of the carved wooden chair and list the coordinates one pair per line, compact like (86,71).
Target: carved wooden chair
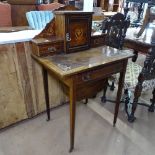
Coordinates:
(136,76)
(115,28)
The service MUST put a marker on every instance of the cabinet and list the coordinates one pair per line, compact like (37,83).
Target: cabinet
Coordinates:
(75,28)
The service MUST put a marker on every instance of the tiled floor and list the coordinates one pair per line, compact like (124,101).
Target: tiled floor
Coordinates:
(95,134)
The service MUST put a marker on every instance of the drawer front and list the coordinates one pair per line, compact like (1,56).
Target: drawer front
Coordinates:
(50,49)
(99,73)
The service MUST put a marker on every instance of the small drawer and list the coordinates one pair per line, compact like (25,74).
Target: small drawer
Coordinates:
(51,49)
(47,49)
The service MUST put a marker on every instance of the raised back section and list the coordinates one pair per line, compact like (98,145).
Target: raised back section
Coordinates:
(49,30)
(69,31)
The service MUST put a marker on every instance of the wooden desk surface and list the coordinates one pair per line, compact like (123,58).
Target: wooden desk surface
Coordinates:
(69,64)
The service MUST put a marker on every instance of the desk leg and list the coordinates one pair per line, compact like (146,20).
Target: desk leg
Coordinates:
(119,93)
(72,114)
(45,79)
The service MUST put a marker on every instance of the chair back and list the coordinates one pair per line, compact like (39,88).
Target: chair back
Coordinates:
(39,19)
(115,28)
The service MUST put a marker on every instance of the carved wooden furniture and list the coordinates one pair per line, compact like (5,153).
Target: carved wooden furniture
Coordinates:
(83,74)
(115,28)
(146,45)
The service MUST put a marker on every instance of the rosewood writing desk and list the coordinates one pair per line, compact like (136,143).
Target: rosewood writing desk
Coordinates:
(83,74)
(144,44)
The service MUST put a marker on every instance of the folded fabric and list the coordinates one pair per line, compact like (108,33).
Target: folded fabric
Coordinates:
(38,19)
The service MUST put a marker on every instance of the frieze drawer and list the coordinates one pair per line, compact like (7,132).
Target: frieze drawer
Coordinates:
(99,73)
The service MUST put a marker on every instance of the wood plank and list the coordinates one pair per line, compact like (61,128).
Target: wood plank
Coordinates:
(21,85)
(12,107)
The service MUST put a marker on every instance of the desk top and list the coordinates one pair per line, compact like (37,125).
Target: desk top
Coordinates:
(69,64)
(144,39)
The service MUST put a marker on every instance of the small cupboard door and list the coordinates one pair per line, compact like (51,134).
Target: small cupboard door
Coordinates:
(78,32)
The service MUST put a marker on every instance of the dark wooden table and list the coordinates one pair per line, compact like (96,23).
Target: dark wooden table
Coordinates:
(146,45)
(141,44)
(83,74)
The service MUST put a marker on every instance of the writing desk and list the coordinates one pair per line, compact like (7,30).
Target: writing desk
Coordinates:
(82,73)
(145,44)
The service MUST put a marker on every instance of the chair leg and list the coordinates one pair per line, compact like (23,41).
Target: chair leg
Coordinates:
(151,108)
(86,101)
(127,101)
(103,98)
(112,87)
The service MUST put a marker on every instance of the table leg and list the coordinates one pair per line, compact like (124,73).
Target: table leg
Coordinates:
(45,80)
(72,114)
(119,92)
(134,58)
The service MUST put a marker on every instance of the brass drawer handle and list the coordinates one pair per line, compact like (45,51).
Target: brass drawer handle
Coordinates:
(86,77)
(51,49)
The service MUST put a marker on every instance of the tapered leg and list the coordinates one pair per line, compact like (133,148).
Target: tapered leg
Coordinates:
(45,79)
(72,115)
(119,92)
